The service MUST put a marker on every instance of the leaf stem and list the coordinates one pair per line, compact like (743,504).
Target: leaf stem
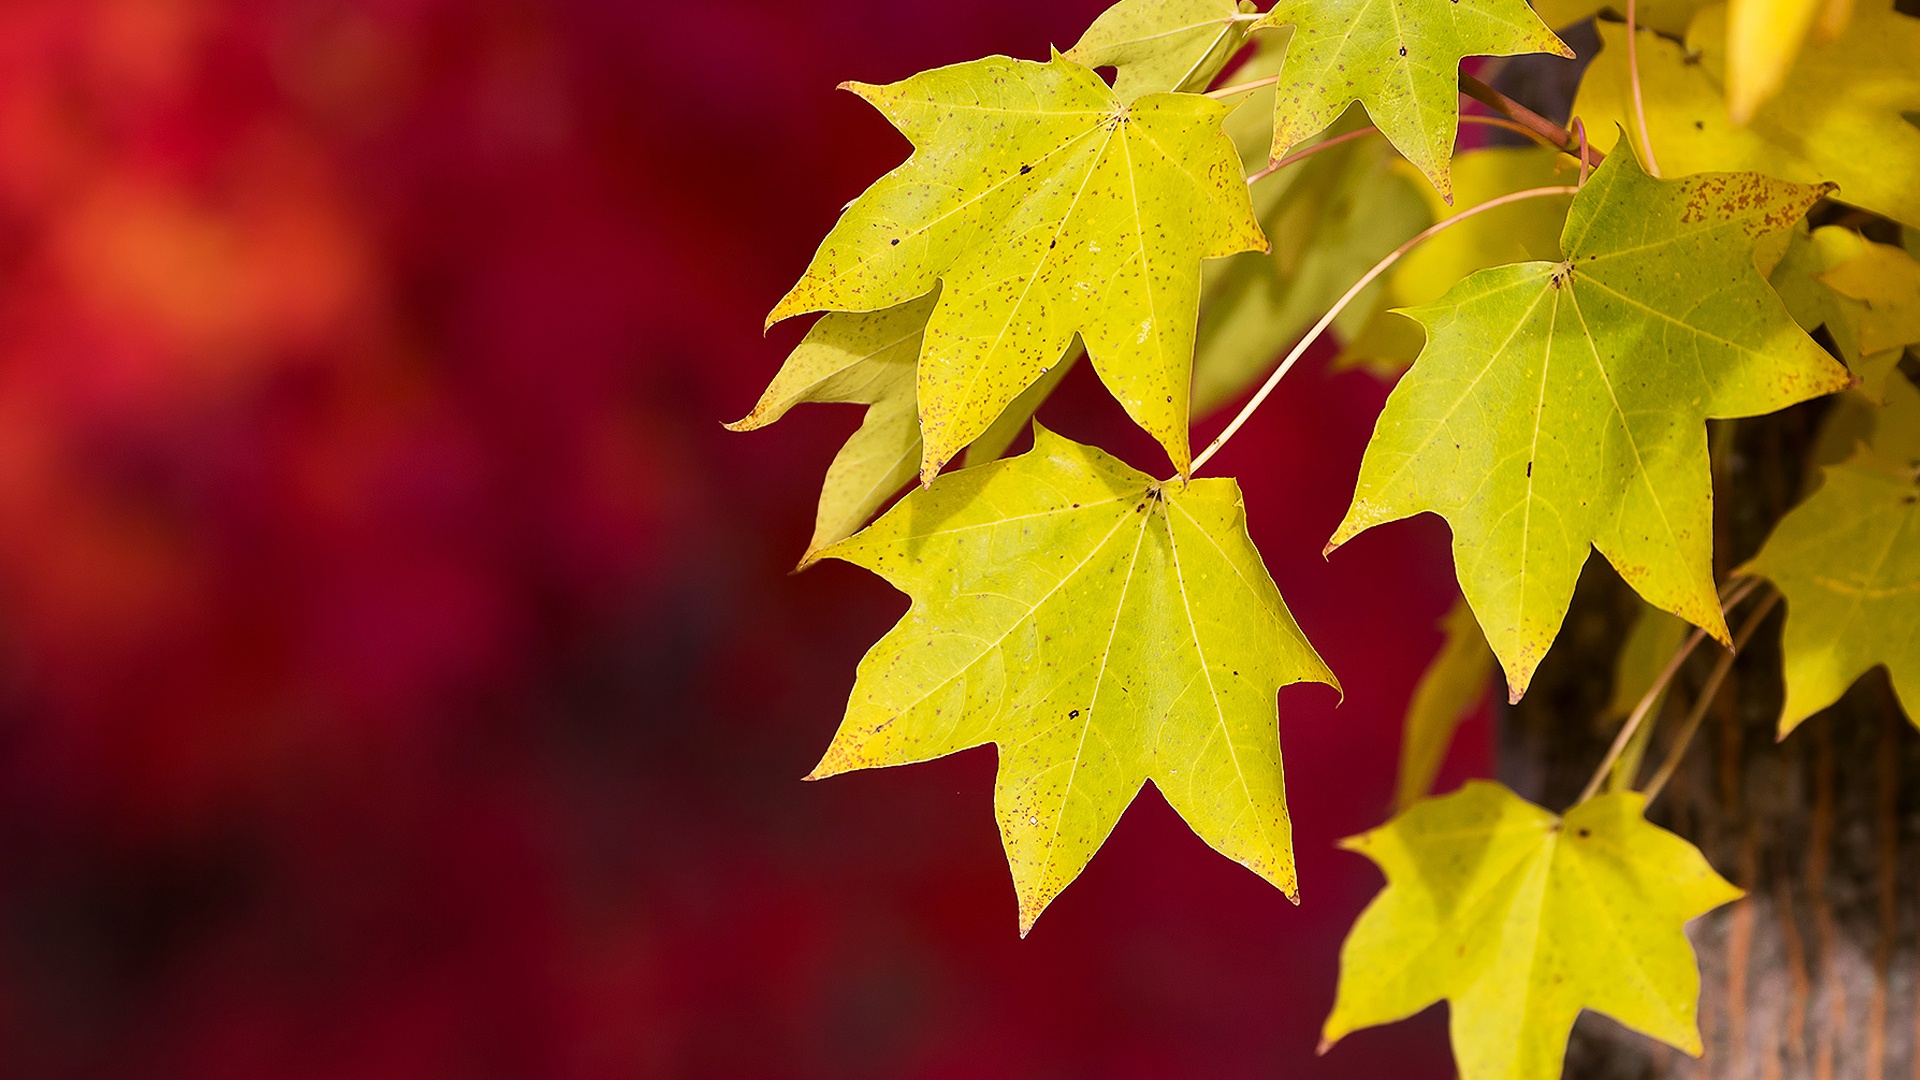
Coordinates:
(1548,131)
(1340,305)
(1645,704)
(1328,144)
(1707,692)
(1633,81)
(1241,88)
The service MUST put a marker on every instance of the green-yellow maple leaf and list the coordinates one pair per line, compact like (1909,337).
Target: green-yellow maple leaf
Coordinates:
(1840,117)
(1559,407)
(1400,59)
(1448,691)
(1847,560)
(1519,920)
(1044,205)
(1529,229)
(1103,629)
(865,359)
(1161,45)
(1867,295)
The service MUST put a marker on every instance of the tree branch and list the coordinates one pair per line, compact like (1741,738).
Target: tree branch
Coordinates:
(1547,130)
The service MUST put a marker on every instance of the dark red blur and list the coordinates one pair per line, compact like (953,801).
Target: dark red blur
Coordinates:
(400,676)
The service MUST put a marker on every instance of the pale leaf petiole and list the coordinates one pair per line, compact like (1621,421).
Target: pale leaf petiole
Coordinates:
(1366,279)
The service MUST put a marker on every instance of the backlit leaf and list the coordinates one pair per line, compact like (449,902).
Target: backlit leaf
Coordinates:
(1159,45)
(1561,406)
(1519,920)
(1400,59)
(1100,627)
(1839,117)
(1044,205)
(1848,563)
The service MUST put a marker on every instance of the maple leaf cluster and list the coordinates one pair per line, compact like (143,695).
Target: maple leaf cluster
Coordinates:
(1567,333)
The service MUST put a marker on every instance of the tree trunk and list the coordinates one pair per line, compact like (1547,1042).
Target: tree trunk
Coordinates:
(1813,974)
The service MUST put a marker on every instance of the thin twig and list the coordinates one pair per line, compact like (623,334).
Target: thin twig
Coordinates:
(1707,691)
(1309,151)
(1550,132)
(1340,305)
(1328,144)
(1633,80)
(1645,704)
(1580,131)
(1241,88)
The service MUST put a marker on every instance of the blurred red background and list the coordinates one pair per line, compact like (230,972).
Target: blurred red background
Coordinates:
(399,671)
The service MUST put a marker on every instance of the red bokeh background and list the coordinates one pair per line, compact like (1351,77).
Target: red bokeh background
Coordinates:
(400,675)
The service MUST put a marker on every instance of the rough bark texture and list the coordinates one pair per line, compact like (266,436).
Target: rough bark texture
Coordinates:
(1812,975)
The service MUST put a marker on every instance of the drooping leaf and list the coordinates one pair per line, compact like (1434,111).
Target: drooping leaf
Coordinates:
(1161,45)
(1651,643)
(1103,629)
(1451,688)
(1400,59)
(1839,116)
(1044,205)
(865,359)
(1513,233)
(1331,217)
(1867,295)
(1519,920)
(1667,16)
(1847,560)
(1562,406)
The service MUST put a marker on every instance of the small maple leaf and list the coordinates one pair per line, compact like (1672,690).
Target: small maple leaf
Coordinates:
(1847,560)
(1161,45)
(1400,59)
(1840,116)
(1452,687)
(1519,920)
(1100,627)
(1044,205)
(1559,407)
(866,359)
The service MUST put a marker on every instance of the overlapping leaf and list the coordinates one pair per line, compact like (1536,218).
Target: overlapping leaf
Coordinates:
(1519,920)
(1840,116)
(1848,563)
(1451,688)
(1103,629)
(1400,59)
(1867,295)
(1562,406)
(1330,217)
(1161,45)
(1044,205)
